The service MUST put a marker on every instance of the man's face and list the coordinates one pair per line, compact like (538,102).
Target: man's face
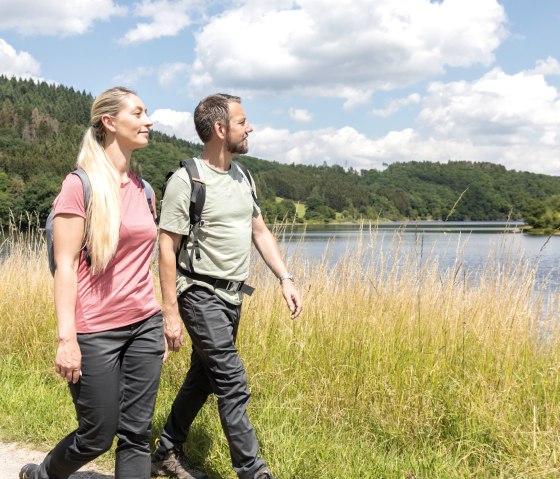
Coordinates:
(238,130)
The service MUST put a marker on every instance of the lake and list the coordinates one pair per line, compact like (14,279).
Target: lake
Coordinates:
(473,242)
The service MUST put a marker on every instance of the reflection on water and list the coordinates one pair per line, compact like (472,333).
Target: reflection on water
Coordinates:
(473,243)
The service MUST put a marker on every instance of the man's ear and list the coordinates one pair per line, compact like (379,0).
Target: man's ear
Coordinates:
(108,123)
(220,130)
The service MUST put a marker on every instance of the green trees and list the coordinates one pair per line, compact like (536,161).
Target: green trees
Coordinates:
(543,215)
(41,126)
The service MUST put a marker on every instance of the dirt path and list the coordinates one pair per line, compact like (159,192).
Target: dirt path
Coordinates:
(13,456)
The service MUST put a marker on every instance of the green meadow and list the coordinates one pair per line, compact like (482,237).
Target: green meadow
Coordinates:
(394,370)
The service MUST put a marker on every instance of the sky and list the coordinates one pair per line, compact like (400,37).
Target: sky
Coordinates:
(360,84)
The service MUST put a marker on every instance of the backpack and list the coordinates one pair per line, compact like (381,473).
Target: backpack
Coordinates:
(198,197)
(49,226)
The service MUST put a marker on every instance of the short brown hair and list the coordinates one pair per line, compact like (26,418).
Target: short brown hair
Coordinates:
(210,110)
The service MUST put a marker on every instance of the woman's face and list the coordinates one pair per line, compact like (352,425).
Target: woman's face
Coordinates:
(132,124)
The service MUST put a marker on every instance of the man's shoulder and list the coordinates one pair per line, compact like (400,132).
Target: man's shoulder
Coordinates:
(181,174)
(177,187)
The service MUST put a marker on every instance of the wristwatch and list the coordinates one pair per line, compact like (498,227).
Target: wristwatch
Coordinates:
(286,276)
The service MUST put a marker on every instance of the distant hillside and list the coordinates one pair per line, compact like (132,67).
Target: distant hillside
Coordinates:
(41,127)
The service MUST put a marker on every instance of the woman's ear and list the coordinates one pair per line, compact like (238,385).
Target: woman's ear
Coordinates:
(108,122)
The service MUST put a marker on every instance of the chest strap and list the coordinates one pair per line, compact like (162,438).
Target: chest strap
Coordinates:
(220,283)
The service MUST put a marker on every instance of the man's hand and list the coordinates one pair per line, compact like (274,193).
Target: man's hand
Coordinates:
(173,330)
(292,297)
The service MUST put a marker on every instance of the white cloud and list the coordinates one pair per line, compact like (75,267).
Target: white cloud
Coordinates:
(550,66)
(131,77)
(21,65)
(497,109)
(169,73)
(300,116)
(395,105)
(178,123)
(168,18)
(512,120)
(345,147)
(348,50)
(61,17)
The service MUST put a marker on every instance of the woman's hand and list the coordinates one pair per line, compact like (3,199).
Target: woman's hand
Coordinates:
(68,362)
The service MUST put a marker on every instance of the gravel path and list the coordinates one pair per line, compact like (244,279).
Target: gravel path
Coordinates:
(13,456)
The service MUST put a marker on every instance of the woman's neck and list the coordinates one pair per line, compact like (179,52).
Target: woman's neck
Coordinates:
(120,160)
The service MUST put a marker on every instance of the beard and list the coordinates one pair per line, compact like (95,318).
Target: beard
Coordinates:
(236,148)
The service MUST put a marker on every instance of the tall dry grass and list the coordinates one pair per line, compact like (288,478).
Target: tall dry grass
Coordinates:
(394,370)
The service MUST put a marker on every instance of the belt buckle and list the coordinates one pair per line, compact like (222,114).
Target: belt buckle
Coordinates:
(234,285)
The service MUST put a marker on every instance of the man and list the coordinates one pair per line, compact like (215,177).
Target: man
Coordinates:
(205,290)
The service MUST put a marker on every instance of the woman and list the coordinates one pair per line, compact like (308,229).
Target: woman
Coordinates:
(110,328)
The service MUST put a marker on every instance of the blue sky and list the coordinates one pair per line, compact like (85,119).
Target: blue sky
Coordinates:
(360,83)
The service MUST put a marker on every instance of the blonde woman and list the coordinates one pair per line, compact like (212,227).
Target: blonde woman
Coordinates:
(110,328)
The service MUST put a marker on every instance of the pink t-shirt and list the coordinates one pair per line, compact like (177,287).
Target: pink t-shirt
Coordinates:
(123,294)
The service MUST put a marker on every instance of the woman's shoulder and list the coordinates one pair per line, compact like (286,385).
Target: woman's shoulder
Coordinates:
(73,184)
(71,194)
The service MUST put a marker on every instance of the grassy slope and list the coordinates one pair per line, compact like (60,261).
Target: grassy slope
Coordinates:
(391,370)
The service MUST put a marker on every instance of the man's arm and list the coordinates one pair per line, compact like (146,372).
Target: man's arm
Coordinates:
(267,246)
(173,325)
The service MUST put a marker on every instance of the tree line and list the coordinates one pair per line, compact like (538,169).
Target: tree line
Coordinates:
(41,126)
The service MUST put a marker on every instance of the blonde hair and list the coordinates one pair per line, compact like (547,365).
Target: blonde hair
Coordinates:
(103,212)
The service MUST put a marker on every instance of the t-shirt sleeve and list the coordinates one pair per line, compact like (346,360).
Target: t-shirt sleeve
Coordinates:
(256,207)
(70,200)
(174,214)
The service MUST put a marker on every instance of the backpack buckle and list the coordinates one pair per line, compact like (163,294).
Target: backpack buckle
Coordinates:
(233,285)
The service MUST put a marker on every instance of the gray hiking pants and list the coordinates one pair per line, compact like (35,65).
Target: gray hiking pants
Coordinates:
(215,368)
(115,396)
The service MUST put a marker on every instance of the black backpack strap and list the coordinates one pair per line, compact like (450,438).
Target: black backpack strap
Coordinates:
(248,179)
(198,197)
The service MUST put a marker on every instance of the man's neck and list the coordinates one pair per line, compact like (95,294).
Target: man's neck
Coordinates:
(217,159)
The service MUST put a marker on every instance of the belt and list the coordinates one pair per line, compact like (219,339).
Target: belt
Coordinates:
(220,283)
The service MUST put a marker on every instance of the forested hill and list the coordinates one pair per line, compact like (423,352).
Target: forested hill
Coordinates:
(41,127)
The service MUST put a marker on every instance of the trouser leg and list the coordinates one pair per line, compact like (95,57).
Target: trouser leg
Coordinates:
(189,401)
(140,373)
(97,398)
(212,325)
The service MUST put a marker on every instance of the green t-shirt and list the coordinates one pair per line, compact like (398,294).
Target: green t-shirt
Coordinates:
(225,234)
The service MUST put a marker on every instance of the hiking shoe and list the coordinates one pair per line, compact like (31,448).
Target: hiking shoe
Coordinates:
(29,471)
(264,473)
(173,463)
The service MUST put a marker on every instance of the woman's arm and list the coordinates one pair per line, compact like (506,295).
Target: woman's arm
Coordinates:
(68,237)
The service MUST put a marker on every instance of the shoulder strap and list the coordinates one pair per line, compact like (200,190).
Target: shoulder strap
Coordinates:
(149,192)
(198,197)
(85,183)
(248,179)
(87,190)
(49,225)
(198,188)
